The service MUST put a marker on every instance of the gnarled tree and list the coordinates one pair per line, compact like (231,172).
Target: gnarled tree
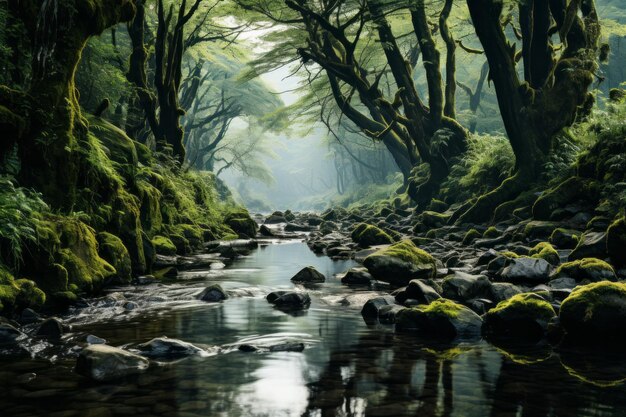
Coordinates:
(45,120)
(412,131)
(554,87)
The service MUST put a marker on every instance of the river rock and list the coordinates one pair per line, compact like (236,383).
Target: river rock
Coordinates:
(590,245)
(523,316)
(419,291)
(441,319)
(532,271)
(308,275)
(595,313)
(502,291)
(463,286)
(106,363)
(164,347)
(387,314)
(9,334)
(213,294)
(357,276)
(400,263)
(371,309)
(52,328)
(29,316)
(290,300)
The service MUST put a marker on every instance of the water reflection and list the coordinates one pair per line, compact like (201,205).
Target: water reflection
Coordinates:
(347,369)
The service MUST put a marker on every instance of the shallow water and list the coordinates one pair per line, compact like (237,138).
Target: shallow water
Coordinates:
(347,368)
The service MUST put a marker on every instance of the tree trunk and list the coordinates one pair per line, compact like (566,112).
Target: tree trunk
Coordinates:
(50,145)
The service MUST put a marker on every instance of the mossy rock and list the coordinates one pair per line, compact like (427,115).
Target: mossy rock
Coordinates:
(545,251)
(595,313)
(181,244)
(367,235)
(471,236)
(616,242)
(491,233)
(241,223)
(537,229)
(164,246)
(112,250)
(586,270)
(433,219)
(569,190)
(400,263)
(16,295)
(523,316)
(119,147)
(191,232)
(441,319)
(564,238)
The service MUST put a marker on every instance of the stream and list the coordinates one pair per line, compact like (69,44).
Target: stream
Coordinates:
(346,369)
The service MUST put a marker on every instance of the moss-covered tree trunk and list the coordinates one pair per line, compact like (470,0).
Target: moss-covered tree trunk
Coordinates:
(48,140)
(554,88)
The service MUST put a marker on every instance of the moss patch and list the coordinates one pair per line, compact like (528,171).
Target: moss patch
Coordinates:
(241,223)
(367,235)
(545,251)
(164,246)
(491,233)
(407,252)
(471,236)
(595,312)
(587,269)
(112,250)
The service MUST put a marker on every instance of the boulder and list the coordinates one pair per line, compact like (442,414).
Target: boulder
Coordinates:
(531,271)
(595,313)
(590,245)
(106,363)
(502,291)
(166,348)
(419,291)
(290,300)
(9,334)
(545,251)
(463,286)
(367,235)
(213,294)
(400,263)
(357,276)
(441,319)
(51,328)
(586,270)
(371,309)
(564,238)
(308,275)
(523,316)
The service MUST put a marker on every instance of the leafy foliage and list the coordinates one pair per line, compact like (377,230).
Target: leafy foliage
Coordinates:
(20,211)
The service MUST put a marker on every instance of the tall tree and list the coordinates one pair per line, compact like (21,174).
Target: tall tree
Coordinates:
(555,83)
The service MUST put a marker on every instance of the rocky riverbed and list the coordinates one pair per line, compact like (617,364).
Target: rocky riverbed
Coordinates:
(384,297)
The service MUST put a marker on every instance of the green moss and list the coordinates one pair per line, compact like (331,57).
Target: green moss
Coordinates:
(112,250)
(181,243)
(79,255)
(595,311)
(18,294)
(434,219)
(509,254)
(164,246)
(545,251)
(408,252)
(442,307)
(527,304)
(367,235)
(587,269)
(241,223)
(491,233)
(471,236)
